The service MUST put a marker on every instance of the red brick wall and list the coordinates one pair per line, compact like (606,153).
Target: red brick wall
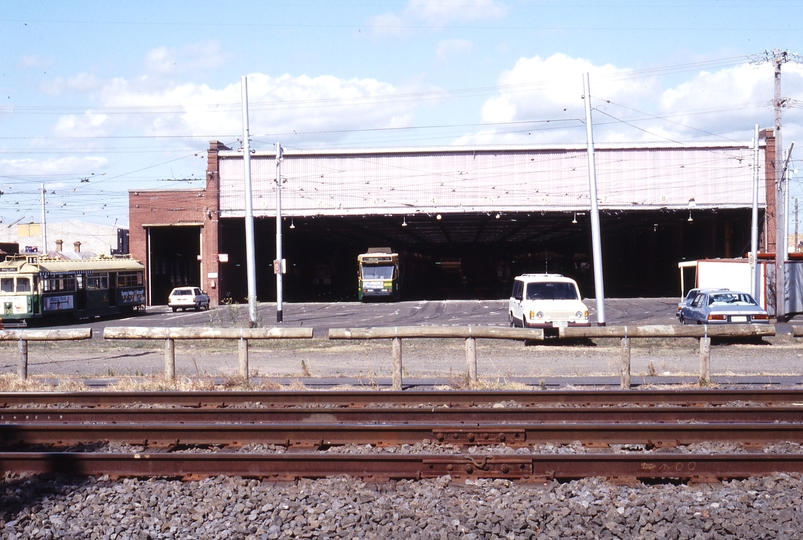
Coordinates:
(166,207)
(211,264)
(769,189)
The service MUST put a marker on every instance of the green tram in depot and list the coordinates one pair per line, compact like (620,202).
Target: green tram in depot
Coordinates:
(38,288)
(378,275)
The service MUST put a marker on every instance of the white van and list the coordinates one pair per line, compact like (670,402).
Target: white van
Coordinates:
(546,301)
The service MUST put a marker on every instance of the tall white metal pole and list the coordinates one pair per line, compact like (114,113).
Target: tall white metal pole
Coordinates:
(595,230)
(44,222)
(250,261)
(278,265)
(754,221)
(786,206)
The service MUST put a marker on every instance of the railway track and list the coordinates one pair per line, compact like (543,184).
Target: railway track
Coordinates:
(490,434)
(408,398)
(377,467)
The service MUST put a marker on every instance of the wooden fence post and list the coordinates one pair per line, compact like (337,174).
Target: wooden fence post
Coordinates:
(624,365)
(397,363)
(243,349)
(705,360)
(471,359)
(22,365)
(170,358)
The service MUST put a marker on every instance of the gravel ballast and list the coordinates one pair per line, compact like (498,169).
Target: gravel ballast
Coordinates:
(342,507)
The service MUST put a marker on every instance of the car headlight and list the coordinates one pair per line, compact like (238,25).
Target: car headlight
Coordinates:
(579,315)
(540,315)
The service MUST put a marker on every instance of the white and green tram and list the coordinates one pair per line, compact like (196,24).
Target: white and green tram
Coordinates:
(34,287)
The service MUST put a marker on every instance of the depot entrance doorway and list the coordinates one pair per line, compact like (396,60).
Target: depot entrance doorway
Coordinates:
(174,259)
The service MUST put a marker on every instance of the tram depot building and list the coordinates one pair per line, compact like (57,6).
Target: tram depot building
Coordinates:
(465,221)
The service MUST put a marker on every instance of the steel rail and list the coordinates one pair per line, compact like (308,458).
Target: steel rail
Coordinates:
(362,398)
(535,468)
(432,414)
(335,434)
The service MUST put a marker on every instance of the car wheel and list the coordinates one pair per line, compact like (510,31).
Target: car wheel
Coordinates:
(174,309)
(682,319)
(511,320)
(198,306)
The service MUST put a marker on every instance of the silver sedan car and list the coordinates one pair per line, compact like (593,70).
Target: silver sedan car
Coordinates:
(723,307)
(692,294)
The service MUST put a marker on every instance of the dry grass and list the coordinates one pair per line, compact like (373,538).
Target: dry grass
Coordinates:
(12,383)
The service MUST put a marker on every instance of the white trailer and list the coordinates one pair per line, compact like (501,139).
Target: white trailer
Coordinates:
(734,274)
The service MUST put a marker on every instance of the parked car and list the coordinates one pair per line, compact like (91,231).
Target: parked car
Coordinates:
(548,301)
(691,296)
(723,307)
(188,297)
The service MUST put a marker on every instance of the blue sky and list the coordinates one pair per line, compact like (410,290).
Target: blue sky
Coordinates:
(99,97)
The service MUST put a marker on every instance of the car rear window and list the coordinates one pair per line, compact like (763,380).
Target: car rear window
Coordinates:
(730,299)
(551,291)
(181,292)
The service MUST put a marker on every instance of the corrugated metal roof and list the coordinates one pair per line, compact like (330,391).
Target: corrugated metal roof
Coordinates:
(449,180)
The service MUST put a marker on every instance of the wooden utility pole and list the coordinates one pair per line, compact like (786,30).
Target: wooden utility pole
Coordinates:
(778,58)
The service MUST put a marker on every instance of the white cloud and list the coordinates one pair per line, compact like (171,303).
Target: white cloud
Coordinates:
(86,125)
(544,88)
(449,48)
(389,25)
(629,105)
(437,14)
(56,166)
(443,12)
(83,82)
(283,104)
(35,61)
(730,99)
(191,58)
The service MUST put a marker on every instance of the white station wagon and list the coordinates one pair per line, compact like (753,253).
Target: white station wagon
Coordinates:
(188,297)
(546,301)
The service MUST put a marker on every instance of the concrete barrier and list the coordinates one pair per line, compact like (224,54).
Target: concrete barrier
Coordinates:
(470,333)
(24,336)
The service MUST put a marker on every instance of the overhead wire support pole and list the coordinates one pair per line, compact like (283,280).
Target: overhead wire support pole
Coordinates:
(595,229)
(780,199)
(778,58)
(44,222)
(278,264)
(754,219)
(787,157)
(250,259)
